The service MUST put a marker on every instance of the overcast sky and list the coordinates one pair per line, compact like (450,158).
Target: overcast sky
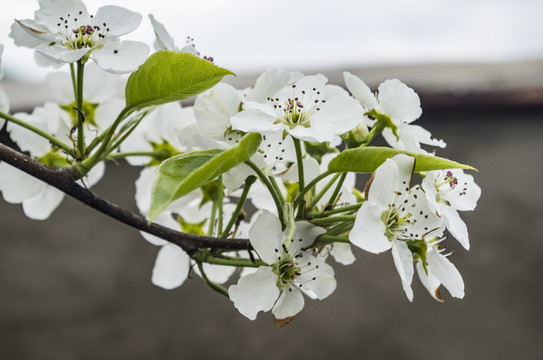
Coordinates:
(251,36)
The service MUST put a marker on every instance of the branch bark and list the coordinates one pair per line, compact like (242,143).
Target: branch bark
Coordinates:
(63,180)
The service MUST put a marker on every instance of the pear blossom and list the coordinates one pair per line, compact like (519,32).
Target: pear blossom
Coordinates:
(436,270)
(64,32)
(450,191)
(163,40)
(39,200)
(393,214)
(187,214)
(213,111)
(305,107)
(401,105)
(291,268)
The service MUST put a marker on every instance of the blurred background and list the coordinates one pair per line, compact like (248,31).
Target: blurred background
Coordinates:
(77,286)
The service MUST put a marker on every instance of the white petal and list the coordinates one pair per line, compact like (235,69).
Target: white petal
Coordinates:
(255,292)
(342,253)
(430,282)
(266,236)
(60,54)
(393,176)
(470,190)
(42,205)
(99,85)
(121,57)
(17,185)
(311,171)
(29,34)
(95,174)
(456,226)
(171,268)
(318,277)
(118,20)
(50,11)
(27,140)
(289,304)
(217,273)
(403,260)
(360,91)
(268,84)
(254,121)
(106,113)
(214,108)
(369,231)
(446,272)
(163,39)
(4,104)
(304,236)
(399,101)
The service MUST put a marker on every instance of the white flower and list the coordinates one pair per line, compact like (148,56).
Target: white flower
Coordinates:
(450,191)
(64,32)
(401,105)
(213,111)
(39,199)
(439,270)
(305,107)
(173,265)
(164,41)
(291,269)
(393,214)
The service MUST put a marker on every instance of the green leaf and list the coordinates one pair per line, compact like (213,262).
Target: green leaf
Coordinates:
(368,159)
(181,174)
(168,76)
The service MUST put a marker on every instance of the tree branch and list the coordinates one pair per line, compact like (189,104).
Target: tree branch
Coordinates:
(63,180)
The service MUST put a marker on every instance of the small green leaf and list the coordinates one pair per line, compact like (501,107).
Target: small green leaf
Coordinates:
(181,174)
(368,159)
(168,76)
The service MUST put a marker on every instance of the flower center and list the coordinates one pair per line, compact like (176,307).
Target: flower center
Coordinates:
(397,224)
(297,109)
(286,270)
(79,36)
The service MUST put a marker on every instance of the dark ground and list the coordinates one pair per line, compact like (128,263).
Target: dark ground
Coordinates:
(77,286)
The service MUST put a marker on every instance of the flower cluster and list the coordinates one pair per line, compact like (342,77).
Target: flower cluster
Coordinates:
(276,163)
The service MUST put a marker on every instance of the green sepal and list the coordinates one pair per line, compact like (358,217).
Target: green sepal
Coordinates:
(168,76)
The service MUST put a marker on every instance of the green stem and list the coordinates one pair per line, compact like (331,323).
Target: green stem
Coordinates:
(248,183)
(332,239)
(333,219)
(336,211)
(321,193)
(53,140)
(85,166)
(212,219)
(309,186)
(299,161)
(211,284)
(74,81)
(220,202)
(337,189)
(152,154)
(277,197)
(238,262)
(79,111)
(340,228)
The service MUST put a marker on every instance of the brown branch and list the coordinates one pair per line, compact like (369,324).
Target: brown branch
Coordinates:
(63,180)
